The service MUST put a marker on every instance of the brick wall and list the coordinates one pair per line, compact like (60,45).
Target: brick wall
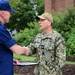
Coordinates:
(58,5)
(69,3)
(48,5)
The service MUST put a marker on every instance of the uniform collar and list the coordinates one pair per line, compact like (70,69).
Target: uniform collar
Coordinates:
(1,23)
(43,36)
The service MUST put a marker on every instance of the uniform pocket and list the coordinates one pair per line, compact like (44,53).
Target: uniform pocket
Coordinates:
(48,55)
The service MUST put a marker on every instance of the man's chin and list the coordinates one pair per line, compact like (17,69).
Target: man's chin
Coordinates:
(41,29)
(7,21)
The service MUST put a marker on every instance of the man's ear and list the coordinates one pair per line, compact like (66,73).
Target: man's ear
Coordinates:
(50,22)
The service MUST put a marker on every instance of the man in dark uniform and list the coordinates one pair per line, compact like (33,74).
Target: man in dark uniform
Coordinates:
(7,43)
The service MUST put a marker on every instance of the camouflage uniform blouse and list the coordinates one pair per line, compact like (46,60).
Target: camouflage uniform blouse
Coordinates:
(51,53)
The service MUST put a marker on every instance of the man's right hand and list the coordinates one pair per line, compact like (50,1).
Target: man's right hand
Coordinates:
(27,51)
(20,50)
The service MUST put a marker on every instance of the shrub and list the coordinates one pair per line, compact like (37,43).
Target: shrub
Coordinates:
(25,36)
(71,43)
(64,23)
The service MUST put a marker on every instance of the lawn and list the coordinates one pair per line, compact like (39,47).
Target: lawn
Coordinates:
(32,59)
(25,58)
(68,62)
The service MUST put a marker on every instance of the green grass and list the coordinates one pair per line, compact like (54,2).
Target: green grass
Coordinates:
(15,74)
(24,58)
(33,59)
(71,63)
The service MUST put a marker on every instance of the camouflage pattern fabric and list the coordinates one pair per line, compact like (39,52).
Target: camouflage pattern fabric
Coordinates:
(50,62)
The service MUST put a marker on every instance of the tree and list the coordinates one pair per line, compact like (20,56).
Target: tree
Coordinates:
(40,6)
(25,13)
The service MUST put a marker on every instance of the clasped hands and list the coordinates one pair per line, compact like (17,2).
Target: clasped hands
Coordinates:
(27,51)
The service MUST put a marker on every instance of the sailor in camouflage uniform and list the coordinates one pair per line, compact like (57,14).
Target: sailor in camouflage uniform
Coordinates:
(49,47)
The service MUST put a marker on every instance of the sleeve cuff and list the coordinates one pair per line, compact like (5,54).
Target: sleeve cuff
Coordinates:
(10,43)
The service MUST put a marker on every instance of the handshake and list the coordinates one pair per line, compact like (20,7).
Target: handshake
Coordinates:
(27,51)
(21,50)
(17,49)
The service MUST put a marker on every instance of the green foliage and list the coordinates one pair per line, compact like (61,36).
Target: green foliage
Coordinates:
(70,19)
(23,15)
(26,13)
(25,36)
(40,6)
(64,23)
(58,21)
(71,43)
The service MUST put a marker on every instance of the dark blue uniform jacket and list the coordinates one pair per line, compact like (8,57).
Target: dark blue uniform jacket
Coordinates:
(6,55)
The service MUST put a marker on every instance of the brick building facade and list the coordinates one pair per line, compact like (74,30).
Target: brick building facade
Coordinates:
(58,5)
